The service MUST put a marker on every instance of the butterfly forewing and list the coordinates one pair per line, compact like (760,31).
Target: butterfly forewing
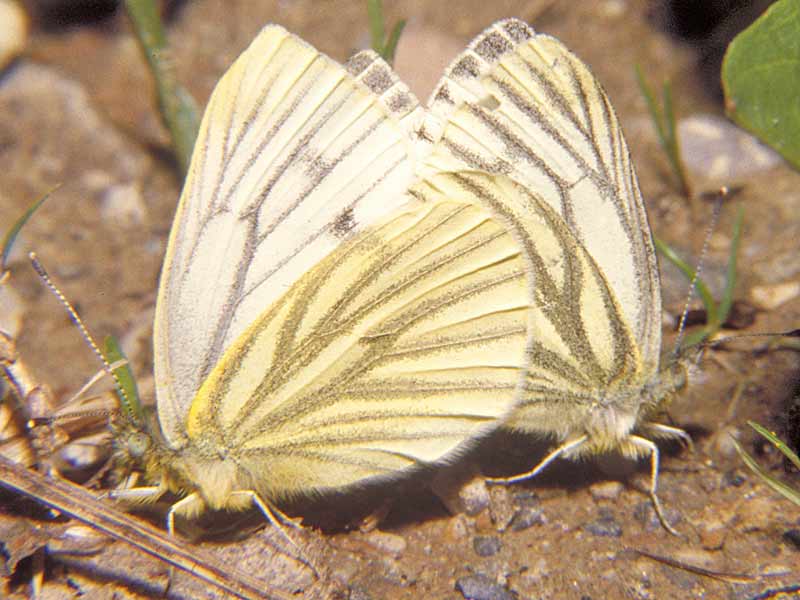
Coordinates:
(294,155)
(521,104)
(392,352)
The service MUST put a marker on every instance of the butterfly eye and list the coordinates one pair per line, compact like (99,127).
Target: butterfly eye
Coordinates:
(679,376)
(138,444)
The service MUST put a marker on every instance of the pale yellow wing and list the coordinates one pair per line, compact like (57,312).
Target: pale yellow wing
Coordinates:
(521,104)
(295,154)
(581,350)
(395,351)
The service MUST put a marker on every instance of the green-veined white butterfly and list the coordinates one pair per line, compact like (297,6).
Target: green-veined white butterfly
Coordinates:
(314,328)
(521,104)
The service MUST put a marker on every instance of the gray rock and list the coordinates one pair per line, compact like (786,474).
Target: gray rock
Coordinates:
(486,545)
(526,517)
(480,587)
(605,526)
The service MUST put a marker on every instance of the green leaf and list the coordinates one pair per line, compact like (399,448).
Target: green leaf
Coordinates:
(177,107)
(761,79)
(123,376)
(11,235)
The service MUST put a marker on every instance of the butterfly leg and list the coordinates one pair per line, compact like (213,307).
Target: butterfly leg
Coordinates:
(273,515)
(564,448)
(276,517)
(136,495)
(665,431)
(648,447)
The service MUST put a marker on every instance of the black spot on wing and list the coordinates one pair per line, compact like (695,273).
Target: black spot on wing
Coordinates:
(344,224)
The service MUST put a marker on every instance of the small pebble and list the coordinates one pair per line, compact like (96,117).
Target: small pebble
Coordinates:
(480,587)
(459,497)
(486,545)
(123,205)
(526,517)
(712,535)
(389,543)
(502,507)
(605,526)
(458,528)
(474,496)
(733,478)
(793,537)
(606,490)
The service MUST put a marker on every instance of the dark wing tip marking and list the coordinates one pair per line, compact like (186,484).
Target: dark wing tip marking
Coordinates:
(492,46)
(360,62)
(466,68)
(378,79)
(517,30)
(400,102)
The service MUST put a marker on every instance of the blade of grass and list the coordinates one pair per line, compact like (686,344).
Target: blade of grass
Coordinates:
(394,38)
(725,304)
(128,392)
(11,235)
(384,46)
(663,118)
(790,493)
(777,442)
(176,106)
(689,272)
(376,27)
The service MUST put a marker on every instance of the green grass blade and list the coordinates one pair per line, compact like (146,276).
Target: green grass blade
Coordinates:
(177,107)
(376,29)
(652,106)
(777,485)
(11,235)
(394,38)
(777,442)
(702,289)
(127,390)
(663,118)
(726,302)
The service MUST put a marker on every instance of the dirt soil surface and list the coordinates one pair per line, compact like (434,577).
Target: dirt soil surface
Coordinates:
(77,110)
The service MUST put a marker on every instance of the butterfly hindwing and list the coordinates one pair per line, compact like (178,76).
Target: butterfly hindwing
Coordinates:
(393,351)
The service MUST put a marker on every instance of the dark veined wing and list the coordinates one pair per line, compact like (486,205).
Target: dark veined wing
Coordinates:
(521,104)
(394,351)
(295,154)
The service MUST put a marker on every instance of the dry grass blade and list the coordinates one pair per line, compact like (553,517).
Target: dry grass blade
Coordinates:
(677,564)
(76,502)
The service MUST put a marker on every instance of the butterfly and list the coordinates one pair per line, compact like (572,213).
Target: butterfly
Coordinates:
(320,324)
(520,104)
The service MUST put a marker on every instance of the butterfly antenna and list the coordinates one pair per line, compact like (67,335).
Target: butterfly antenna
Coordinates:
(721,195)
(76,320)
